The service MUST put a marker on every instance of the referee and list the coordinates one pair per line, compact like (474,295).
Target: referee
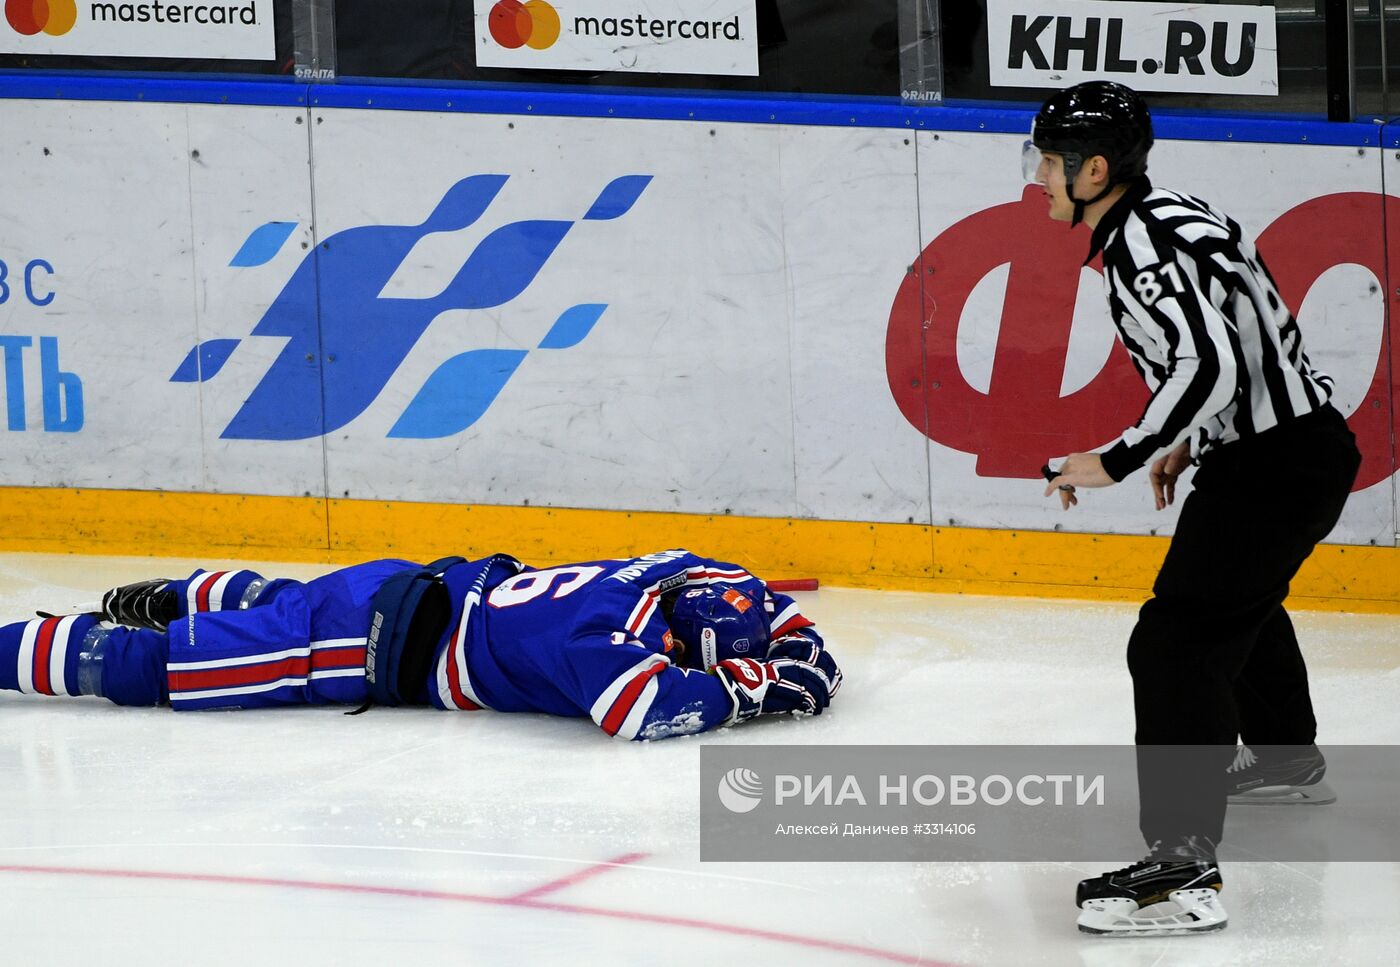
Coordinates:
(1213,656)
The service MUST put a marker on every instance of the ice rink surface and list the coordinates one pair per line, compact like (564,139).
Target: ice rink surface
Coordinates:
(411,836)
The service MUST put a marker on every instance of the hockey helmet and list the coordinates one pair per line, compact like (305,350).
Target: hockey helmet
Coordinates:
(1093,118)
(716,622)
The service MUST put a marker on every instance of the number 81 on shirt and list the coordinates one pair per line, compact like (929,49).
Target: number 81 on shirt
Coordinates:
(1149,283)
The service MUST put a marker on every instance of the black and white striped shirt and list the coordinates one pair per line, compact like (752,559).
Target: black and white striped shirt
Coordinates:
(1204,324)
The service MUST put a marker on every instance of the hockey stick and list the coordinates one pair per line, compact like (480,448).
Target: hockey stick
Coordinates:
(793,584)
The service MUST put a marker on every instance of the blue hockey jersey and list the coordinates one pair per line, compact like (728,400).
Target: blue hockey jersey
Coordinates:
(587,639)
(584,639)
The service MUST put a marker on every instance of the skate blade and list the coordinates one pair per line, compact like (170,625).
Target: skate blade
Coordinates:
(93,608)
(1317,794)
(1198,911)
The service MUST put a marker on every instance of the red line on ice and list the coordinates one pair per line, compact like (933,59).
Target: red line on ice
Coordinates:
(636,916)
(579,875)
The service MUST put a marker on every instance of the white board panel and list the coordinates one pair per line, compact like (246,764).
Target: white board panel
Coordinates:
(250,199)
(124,217)
(676,398)
(849,232)
(1392,173)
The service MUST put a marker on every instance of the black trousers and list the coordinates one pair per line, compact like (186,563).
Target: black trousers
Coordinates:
(1213,656)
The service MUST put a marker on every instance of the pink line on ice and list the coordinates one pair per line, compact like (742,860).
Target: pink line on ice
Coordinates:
(583,874)
(727,929)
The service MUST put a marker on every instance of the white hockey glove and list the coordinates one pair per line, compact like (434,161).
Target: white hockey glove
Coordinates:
(773,687)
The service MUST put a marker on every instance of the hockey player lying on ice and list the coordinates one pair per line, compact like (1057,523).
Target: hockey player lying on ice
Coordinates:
(655,646)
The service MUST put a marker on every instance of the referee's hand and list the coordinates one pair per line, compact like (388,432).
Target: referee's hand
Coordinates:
(1078,470)
(1165,471)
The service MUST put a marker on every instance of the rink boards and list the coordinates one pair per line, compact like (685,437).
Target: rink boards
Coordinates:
(335,332)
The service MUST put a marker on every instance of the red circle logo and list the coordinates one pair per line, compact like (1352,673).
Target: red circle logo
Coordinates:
(533,23)
(53,17)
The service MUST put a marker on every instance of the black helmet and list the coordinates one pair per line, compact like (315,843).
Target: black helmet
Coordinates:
(1095,118)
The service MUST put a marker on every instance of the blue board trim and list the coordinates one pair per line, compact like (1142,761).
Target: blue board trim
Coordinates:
(158,88)
(637,103)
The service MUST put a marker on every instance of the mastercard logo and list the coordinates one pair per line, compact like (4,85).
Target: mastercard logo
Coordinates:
(53,17)
(514,24)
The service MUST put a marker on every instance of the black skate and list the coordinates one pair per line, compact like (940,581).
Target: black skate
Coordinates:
(146,604)
(1279,774)
(1187,876)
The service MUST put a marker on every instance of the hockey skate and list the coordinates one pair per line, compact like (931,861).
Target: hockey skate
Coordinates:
(146,604)
(1185,882)
(1283,774)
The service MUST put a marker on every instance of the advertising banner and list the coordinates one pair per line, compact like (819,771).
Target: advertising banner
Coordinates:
(756,320)
(1179,47)
(642,336)
(1001,348)
(651,37)
(236,30)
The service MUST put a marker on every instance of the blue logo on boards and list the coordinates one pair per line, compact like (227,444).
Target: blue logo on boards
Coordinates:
(331,309)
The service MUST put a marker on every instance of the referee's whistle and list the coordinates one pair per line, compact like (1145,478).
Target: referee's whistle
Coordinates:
(1050,476)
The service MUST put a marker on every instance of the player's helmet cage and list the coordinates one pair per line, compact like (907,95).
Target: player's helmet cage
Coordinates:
(716,622)
(1093,118)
